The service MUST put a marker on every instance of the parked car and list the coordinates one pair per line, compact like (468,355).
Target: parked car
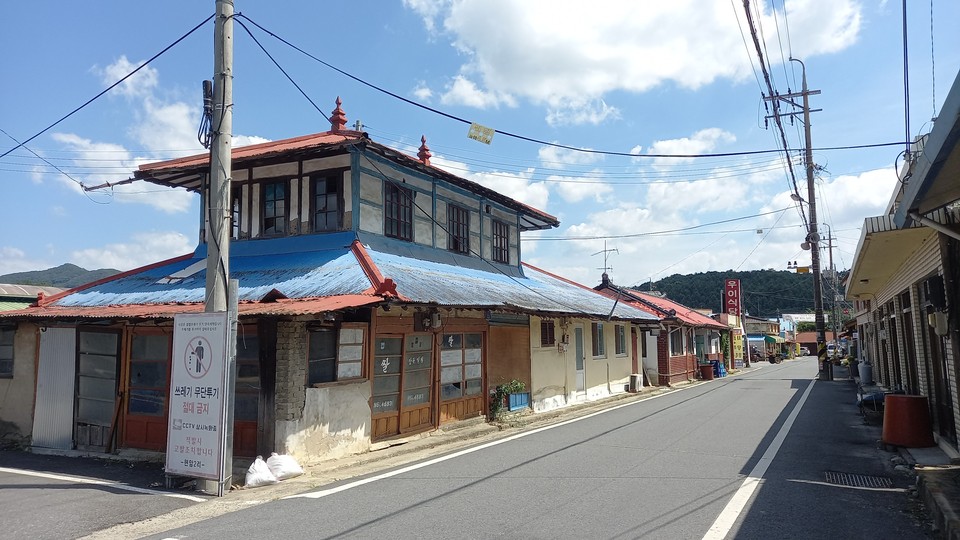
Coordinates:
(804,351)
(833,350)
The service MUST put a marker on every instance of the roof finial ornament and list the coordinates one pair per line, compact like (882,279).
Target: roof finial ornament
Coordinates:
(424,153)
(338,119)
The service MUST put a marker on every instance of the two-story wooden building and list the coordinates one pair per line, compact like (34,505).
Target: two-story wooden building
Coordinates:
(378,296)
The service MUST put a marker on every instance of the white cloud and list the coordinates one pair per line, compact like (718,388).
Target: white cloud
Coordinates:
(143,249)
(553,156)
(575,112)
(559,53)
(247,140)
(463,91)
(704,141)
(422,92)
(99,154)
(141,84)
(14,260)
(517,185)
(573,189)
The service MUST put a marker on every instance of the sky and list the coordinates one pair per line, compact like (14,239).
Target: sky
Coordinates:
(624,80)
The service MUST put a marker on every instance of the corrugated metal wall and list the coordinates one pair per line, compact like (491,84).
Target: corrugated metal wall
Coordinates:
(53,417)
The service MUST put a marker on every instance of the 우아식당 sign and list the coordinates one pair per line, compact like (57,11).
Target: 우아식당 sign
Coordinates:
(195,431)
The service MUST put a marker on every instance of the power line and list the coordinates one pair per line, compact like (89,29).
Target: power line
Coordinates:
(111,87)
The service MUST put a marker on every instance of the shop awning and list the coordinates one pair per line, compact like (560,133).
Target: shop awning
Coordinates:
(773,339)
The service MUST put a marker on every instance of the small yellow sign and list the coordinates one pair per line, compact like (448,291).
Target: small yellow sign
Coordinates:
(480,133)
(803,269)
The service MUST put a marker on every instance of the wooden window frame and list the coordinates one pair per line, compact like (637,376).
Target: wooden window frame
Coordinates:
(548,332)
(596,335)
(500,248)
(336,178)
(458,229)
(338,359)
(670,345)
(397,212)
(166,362)
(236,211)
(280,216)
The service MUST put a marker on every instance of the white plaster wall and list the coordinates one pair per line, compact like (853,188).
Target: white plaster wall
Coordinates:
(335,423)
(333,162)
(371,219)
(552,372)
(650,363)
(16,394)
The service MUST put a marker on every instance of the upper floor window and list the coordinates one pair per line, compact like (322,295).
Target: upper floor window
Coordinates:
(326,203)
(398,212)
(501,242)
(235,195)
(458,227)
(599,348)
(274,208)
(548,334)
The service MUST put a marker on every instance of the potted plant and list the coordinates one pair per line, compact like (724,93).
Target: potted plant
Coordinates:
(510,395)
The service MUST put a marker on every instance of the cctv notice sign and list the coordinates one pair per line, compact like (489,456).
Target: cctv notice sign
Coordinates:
(195,432)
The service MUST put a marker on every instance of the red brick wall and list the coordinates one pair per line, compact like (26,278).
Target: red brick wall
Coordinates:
(673,369)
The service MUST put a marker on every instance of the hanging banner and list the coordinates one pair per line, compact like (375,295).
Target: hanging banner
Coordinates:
(195,432)
(731,297)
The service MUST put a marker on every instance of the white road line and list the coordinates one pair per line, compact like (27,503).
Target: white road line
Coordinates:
(324,492)
(724,522)
(95,482)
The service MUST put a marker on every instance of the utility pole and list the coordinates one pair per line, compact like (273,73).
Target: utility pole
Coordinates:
(218,216)
(218,193)
(813,237)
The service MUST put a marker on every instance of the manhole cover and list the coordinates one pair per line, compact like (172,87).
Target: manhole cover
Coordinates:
(858,480)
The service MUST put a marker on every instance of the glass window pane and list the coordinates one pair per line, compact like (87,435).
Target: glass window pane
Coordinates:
(95,411)
(452,341)
(419,342)
(472,341)
(473,387)
(472,356)
(248,346)
(417,379)
(321,371)
(147,402)
(385,346)
(93,387)
(348,370)
(416,397)
(149,347)
(98,366)
(451,374)
(472,371)
(417,361)
(386,364)
(323,343)
(451,358)
(98,342)
(245,407)
(386,384)
(382,404)
(6,336)
(450,391)
(6,367)
(6,352)
(151,374)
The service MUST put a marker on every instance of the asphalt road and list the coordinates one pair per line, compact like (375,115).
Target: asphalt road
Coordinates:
(743,457)
(55,497)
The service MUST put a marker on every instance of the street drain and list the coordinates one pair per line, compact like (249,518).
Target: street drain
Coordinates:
(858,480)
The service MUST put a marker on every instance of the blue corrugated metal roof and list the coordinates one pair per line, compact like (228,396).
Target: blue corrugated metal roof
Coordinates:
(324,265)
(298,267)
(436,283)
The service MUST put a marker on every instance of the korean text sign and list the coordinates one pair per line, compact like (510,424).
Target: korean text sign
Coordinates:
(731,297)
(195,431)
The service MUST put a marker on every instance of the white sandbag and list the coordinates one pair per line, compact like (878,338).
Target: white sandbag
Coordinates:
(259,474)
(283,467)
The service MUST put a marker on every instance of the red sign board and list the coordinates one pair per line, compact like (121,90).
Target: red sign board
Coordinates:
(731,297)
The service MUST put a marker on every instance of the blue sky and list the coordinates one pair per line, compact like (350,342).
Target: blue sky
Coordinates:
(642,78)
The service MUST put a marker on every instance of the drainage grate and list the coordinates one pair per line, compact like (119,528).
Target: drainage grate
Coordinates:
(858,480)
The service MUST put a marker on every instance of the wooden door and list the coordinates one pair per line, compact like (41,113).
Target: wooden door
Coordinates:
(98,361)
(148,379)
(578,351)
(461,376)
(246,395)
(416,382)
(385,403)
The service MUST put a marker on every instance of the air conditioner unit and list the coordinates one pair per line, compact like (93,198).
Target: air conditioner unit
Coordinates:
(636,382)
